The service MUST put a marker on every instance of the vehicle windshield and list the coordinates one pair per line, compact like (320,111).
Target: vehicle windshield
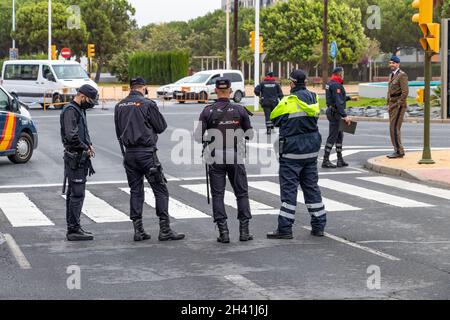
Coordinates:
(198,78)
(70,71)
(183,80)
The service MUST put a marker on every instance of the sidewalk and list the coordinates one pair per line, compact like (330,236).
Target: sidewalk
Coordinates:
(438,173)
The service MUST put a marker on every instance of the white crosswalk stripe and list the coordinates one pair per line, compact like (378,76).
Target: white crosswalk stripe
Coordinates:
(21,211)
(177,209)
(100,211)
(410,186)
(274,188)
(257,208)
(371,194)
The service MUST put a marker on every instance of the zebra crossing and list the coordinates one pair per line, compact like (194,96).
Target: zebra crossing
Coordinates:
(21,211)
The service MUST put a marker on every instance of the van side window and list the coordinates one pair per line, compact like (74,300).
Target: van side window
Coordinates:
(46,71)
(213,79)
(4,101)
(28,72)
(234,77)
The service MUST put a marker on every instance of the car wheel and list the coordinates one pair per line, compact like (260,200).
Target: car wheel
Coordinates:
(24,149)
(238,97)
(181,102)
(57,98)
(202,97)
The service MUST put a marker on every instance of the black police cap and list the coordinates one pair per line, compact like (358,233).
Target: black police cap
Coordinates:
(139,81)
(270,74)
(298,76)
(89,92)
(223,83)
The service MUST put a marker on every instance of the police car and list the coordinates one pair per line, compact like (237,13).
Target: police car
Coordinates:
(18,134)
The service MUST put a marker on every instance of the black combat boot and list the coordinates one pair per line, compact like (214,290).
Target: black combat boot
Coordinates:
(79,235)
(139,232)
(341,163)
(166,234)
(244,233)
(224,233)
(278,235)
(317,233)
(269,131)
(327,164)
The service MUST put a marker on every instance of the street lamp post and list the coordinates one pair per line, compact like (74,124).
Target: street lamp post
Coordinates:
(49,29)
(228,34)
(256,79)
(14,22)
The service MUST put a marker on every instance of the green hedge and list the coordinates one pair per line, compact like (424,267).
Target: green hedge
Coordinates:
(159,67)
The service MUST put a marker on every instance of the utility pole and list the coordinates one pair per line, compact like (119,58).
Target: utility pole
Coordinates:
(234,62)
(228,35)
(49,29)
(256,79)
(14,23)
(325,45)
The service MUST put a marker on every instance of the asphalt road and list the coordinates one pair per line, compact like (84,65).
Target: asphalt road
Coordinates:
(376,226)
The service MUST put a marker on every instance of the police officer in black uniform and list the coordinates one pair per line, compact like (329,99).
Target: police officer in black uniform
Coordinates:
(77,158)
(270,93)
(138,123)
(336,102)
(223,128)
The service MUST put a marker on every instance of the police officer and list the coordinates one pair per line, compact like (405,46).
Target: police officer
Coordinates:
(138,123)
(223,128)
(78,151)
(270,93)
(336,103)
(299,145)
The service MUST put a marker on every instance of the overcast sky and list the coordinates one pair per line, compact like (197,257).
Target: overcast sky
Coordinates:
(148,11)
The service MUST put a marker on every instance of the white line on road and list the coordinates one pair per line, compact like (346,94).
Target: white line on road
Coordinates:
(17,252)
(410,186)
(355,245)
(257,208)
(248,285)
(371,194)
(100,211)
(406,242)
(177,209)
(274,188)
(21,211)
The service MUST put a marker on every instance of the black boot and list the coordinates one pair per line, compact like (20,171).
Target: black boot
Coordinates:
(166,234)
(244,233)
(327,164)
(341,163)
(269,131)
(79,235)
(278,235)
(139,232)
(224,233)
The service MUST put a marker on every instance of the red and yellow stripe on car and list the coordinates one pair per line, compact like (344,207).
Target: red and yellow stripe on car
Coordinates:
(8,132)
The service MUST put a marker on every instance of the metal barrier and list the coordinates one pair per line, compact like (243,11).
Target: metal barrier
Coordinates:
(186,95)
(51,93)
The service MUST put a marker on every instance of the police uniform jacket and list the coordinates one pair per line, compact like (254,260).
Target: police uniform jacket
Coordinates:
(337,97)
(269,91)
(74,130)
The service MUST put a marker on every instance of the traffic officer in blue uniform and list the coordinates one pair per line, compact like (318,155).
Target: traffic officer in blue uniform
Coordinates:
(336,103)
(299,145)
(78,151)
(223,128)
(270,94)
(138,123)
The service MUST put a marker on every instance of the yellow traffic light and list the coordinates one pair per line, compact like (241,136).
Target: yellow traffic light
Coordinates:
(252,40)
(420,96)
(434,37)
(430,30)
(425,14)
(91,50)
(261,45)
(54,53)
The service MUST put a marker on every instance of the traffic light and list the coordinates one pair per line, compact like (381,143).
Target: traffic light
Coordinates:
(54,53)
(420,96)
(261,45)
(91,50)
(252,40)
(430,30)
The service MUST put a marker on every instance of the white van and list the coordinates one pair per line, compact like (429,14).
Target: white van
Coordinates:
(201,86)
(32,80)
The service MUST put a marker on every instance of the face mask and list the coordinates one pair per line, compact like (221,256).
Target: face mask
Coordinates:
(87,104)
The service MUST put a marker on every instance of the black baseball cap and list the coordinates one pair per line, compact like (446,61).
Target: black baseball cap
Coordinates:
(139,81)
(270,74)
(298,76)
(338,70)
(223,83)
(90,92)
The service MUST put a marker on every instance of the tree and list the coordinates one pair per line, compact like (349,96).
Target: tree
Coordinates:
(5,27)
(164,37)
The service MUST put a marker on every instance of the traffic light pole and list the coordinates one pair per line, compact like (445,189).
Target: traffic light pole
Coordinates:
(426,156)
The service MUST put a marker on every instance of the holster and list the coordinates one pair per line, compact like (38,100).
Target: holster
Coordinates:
(155,174)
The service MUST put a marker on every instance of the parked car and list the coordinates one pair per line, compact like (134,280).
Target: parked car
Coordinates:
(201,86)
(18,134)
(44,81)
(166,92)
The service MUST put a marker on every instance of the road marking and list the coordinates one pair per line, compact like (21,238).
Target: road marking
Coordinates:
(17,253)
(177,209)
(355,245)
(406,242)
(100,211)
(248,285)
(257,208)
(410,186)
(345,153)
(274,188)
(371,194)
(21,211)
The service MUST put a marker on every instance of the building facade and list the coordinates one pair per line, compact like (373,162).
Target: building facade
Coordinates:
(250,3)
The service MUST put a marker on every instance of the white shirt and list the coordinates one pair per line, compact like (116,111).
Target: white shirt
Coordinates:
(395,72)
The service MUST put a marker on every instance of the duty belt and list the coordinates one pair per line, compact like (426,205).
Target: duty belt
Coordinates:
(395,95)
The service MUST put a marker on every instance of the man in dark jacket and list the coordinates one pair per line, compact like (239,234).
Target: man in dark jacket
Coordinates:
(138,123)
(299,146)
(78,152)
(270,93)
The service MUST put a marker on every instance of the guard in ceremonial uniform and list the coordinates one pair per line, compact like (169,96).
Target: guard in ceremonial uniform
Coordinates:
(138,123)
(223,128)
